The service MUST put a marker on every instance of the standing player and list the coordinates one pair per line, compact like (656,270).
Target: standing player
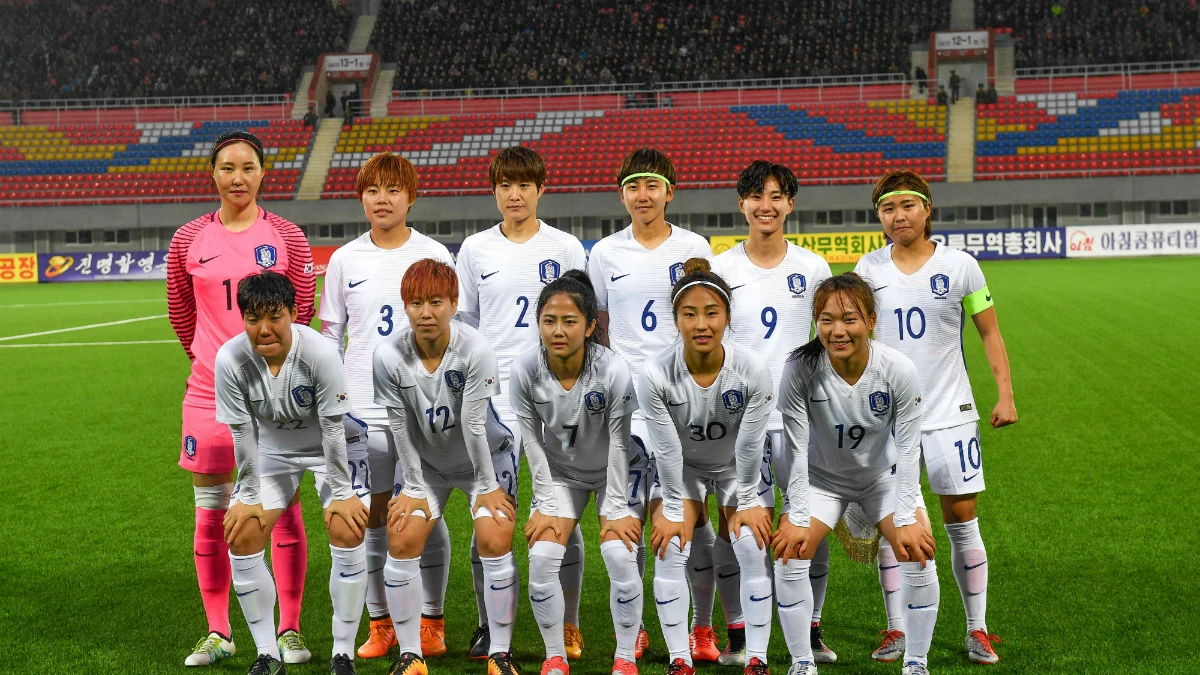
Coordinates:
(281,390)
(772,281)
(502,271)
(633,272)
(706,404)
(925,292)
(578,396)
(206,260)
(362,297)
(852,415)
(437,379)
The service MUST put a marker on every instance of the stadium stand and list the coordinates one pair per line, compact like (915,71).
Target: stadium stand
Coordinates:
(451,45)
(121,48)
(1075,135)
(144,162)
(824,143)
(1089,33)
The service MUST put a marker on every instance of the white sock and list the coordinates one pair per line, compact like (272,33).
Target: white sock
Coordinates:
(348,589)
(671,596)
(255,591)
(377,550)
(500,595)
(402,583)
(818,576)
(794,597)
(701,576)
(571,576)
(889,581)
(729,581)
(969,559)
(919,586)
(478,579)
(625,597)
(435,569)
(756,593)
(546,594)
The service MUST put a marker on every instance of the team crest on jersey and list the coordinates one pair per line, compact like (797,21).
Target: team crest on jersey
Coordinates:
(189,446)
(455,380)
(594,401)
(265,256)
(797,284)
(676,272)
(733,400)
(549,270)
(879,402)
(304,396)
(940,284)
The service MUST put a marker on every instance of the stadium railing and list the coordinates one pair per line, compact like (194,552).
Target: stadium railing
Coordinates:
(1108,77)
(153,109)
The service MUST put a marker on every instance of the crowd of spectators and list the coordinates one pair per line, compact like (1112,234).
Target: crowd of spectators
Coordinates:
(1087,32)
(138,48)
(461,44)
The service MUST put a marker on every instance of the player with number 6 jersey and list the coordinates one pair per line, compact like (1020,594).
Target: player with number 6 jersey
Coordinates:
(206,260)
(360,307)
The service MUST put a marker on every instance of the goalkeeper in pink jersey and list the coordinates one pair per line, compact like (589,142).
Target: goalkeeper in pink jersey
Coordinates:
(206,260)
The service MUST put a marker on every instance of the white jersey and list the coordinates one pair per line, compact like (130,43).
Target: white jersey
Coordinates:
(433,402)
(848,430)
(710,428)
(285,407)
(772,308)
(501,282)
(362,292)
(922,315)
(633,284)
(575,423)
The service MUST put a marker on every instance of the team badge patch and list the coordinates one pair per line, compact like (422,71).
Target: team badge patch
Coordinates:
(265,256)
(676,272)
(797,284)
(304,396)
(189,446)
(879,402)
(733,400)
(940,284)
(594,401)
(455,380)
(549,270)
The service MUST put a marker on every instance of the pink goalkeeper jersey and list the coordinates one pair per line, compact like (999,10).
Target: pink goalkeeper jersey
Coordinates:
(205,264)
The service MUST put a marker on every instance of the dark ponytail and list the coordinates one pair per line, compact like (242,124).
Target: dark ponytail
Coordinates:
(576,285)
(853,289)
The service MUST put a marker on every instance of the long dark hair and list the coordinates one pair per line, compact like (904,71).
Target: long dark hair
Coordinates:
(576,285)
(850,286)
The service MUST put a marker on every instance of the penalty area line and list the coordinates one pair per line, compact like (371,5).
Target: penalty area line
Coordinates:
(75,328)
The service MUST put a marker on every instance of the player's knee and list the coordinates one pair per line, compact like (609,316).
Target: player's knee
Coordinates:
(341,535)
(249,541)
(404,545)
(958,508)
(491,539)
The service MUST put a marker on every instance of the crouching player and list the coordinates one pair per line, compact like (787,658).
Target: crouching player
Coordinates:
(436,380)
(852,415)
(575,399)
(281,390)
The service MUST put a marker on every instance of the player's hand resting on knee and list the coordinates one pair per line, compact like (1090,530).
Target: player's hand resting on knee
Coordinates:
(499,503)
(351,510)
(238,518)
(791,541)
(914,543)
(757,519)
(537,524)
(402,507)
(663,530)
(629,529)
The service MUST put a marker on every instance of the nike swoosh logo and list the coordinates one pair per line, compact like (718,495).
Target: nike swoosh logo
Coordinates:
(347,576)
(485,276)
(675,405)
(763,492)
(882,567)
(540,402)
(971,567)
(968,478)
(385,583)
(242,595)
(204,260)
(615,277)
(879,289)
(818,400)
(701,569)
(626,602)
(726,576)
(357,283)
(912,606)
(737,287)
(988,298)
(754,599)
(502,587)
(783,606)
(533,599)
(633,504)
(661,602)
(204,555)
(286,545)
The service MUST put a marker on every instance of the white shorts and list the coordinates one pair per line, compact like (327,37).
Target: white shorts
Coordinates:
(438,485)
(827,503)
(572,496)
(380,457)
(279,477)
(699,483)
(953,460)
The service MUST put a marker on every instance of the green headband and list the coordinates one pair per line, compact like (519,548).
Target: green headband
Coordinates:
(644,174)
(900,192)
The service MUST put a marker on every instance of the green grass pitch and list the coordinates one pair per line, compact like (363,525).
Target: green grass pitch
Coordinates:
(1086,518)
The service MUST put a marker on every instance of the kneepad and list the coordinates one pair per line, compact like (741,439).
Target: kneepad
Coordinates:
(249,609)
(628,600)
(672,599)
(348,604)
(889,570)
(975,562)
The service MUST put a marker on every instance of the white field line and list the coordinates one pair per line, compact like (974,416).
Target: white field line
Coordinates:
(91,344)
(75,328)
(82,302)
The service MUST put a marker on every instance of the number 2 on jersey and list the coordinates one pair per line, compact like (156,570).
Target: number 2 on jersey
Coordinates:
(524,303)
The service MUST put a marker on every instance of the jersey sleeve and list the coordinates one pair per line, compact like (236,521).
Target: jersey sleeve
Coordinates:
(232,406)
(468,289)
(483,373)
(578,258)
(976,296)
(333,304)
(703,248)
(760,392)
(595,272)
(622,397)
(181,298)
(907,432)
(329,380)
(300,270)
(794,406)
(665,439)
(518,393)
(389,376)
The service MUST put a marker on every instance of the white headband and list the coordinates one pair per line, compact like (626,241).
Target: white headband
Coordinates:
(703,283)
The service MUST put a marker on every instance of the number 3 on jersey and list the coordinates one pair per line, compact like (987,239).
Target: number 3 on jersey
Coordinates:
(385,320)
